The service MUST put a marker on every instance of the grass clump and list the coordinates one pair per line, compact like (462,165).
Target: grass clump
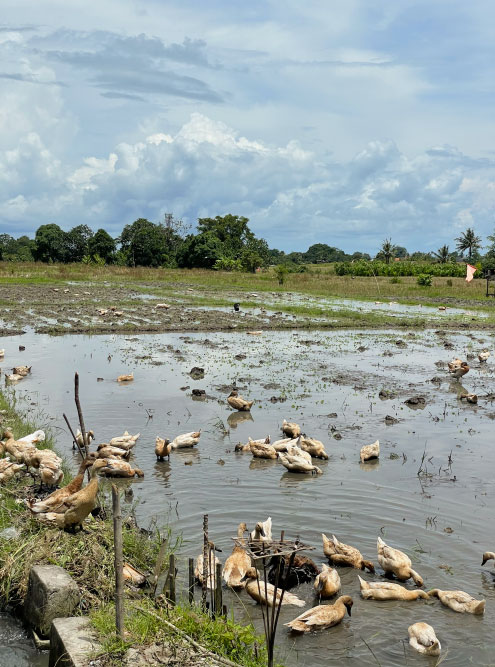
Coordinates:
(87,556)
(146,624)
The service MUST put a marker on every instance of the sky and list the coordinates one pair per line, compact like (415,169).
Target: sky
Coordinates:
(326,121)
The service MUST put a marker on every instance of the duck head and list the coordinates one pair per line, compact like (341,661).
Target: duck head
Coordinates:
(488,555)
(251,573)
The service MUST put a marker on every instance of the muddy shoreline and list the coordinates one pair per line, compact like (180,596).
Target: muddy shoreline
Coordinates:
(88,308)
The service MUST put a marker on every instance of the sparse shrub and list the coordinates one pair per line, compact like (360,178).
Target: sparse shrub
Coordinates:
(281,271)
(395,280)
(449,283)
(424,279)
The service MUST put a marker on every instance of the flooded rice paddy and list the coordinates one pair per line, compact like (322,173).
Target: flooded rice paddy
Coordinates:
(329,382)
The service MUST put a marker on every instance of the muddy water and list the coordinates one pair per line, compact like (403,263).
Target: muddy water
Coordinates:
(330,382)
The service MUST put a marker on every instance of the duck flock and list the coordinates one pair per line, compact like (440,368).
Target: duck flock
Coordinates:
(69,506)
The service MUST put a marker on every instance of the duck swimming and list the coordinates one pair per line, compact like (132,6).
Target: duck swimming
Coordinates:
(339,553)
(291,429)
(459,601)
(186,440)
(370,452)
(396,562)
(323,616)
(314,447)
(256,590)
(298,464)
(385,590)
(238,402)
(327,583)
(422,637)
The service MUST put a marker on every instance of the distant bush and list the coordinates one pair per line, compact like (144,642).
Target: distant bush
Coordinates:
(395,280)
(424,279)
(395,269)
(227,264)
(449,283)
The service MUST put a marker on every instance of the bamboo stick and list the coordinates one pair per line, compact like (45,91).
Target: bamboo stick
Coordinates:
(191,580)
(206,555)
(171,571)
(79,412)
(218,590)
(119,562)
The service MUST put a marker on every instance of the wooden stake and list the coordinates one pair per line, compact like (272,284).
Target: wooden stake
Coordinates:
(80,414)
(206,557)
(119,562)
(73,436)
(191,580)
(171,572)
(218,590)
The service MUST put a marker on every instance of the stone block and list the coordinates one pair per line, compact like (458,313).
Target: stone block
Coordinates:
(52,593)
(72,641)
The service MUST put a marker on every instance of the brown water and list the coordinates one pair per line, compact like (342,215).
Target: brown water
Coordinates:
(444,525)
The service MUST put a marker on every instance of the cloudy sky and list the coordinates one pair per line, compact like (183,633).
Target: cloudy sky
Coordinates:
(334,121)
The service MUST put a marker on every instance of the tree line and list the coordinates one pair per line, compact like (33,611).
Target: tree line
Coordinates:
(224,243)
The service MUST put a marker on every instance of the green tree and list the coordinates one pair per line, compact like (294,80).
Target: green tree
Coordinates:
(387,251)
(103,245)
(143,244)
(321,252)
(175,231)
(77,243)
(468,241)
(201,250)
(442,254)
(50,243)
(400,252)
(231,230)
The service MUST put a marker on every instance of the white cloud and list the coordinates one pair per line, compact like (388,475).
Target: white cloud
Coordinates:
(293,196)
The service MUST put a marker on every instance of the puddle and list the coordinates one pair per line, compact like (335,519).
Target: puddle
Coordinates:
(437,521)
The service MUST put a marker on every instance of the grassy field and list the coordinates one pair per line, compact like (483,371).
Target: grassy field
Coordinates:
(317,281)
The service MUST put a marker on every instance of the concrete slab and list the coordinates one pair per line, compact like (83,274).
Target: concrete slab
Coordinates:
(72,641)
(52,593)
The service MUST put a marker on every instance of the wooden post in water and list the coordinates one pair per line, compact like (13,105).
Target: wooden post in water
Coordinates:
(171,578)
(119,562)
(218,590)
(80,414)
(206,558)
(191,580)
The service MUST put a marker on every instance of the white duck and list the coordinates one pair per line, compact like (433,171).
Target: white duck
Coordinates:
(422,637)
(186,440)
(396,562)
(370,452)
(298,464)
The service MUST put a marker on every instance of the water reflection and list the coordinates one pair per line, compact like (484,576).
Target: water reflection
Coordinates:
(236,418)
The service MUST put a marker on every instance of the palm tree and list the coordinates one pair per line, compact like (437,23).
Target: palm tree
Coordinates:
(442,254)
(468,241)
(387,251)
